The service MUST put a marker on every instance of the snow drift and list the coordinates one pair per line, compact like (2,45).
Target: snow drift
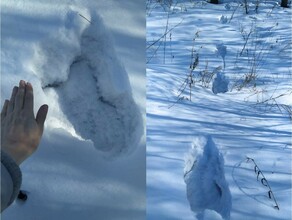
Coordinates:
(204,176)
(79,66)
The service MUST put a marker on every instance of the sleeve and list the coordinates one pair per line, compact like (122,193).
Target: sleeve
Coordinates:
(10,180)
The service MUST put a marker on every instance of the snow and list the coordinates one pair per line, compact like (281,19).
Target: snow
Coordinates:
(223,19)
(91,72)
(221,50)
(205,179)
(79,173)
(220,83)
(63,66)
(246,121)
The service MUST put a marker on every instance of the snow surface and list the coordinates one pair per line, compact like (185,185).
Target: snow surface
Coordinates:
(240,125)
(90,70)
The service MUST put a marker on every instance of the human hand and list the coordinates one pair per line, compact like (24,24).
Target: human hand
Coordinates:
(21,132)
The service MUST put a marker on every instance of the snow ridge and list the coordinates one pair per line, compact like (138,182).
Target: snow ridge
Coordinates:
(205,181)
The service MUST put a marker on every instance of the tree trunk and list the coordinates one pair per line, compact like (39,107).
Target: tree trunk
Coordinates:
(214,1)
(246,6)
(284,3)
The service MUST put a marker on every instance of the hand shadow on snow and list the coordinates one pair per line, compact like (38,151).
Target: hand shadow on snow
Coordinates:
(95,93)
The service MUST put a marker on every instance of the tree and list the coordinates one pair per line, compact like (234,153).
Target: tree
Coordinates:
(246,6)
(214,1)
(284,3)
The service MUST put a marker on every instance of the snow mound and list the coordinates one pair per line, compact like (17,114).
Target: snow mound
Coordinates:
(221,50)
(223,19)
(80,65)
(205,180)
(220,83)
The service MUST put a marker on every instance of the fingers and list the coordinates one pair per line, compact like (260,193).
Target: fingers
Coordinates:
(22,98)
(28,98)
(12,100)
(4,109)
(41,117)
(19,99)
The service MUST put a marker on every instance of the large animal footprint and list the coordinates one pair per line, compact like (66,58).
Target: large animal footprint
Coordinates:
(92,85)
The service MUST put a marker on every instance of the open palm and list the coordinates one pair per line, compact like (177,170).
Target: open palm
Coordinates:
(21,131)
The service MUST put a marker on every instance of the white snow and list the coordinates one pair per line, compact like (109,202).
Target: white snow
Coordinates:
(240,124)
(221,50)
(205,179)
(220,83)
(90,70)
(91,67)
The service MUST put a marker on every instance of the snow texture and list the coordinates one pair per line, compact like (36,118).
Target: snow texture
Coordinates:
(220,83)
(82,58)
(205,179)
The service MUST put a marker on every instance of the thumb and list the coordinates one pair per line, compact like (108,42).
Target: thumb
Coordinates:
(41,116)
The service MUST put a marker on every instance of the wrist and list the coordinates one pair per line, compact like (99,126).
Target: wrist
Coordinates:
(13,153)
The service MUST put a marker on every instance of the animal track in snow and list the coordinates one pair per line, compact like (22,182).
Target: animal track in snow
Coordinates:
(80,64)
